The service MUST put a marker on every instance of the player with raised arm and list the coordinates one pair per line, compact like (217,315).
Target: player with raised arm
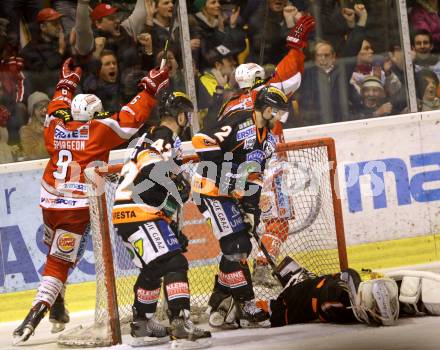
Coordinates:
(75,140)
(227,187)
(150,190)
(277,207)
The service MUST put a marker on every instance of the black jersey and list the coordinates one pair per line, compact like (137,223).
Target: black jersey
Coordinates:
(321,298)
(233,154)
(146,190)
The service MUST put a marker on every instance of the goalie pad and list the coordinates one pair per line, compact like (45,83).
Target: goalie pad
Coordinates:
(378,299)
(419,290)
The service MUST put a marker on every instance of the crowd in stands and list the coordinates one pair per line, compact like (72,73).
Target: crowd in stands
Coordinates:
(354,69)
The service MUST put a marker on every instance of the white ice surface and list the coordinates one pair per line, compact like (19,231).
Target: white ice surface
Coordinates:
(419,333)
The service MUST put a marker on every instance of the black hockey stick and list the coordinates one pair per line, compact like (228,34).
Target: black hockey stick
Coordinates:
(170,34)
(261,244)
(263,41)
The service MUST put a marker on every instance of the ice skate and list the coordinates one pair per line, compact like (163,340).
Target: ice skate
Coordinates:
(252,316)
(184,335)
(58,315)
(147,331)
(262,276)
(224,315)
(33,318)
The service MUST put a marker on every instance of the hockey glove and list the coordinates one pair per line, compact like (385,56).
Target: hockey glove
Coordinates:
(297,37)
(155,81)
(69,77)
(63,114)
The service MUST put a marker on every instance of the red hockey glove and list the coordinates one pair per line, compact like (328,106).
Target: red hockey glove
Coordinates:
(297,37)
(69,78)
(155,81)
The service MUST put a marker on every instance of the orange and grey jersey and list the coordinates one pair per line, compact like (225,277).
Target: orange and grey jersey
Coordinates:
(233,152)
(74,145)
(146,191)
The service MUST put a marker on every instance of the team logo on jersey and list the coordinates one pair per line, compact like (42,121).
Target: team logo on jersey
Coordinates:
(249,143)
(256,156)
(66,242)
(246,124)
(82,133)
(246,132)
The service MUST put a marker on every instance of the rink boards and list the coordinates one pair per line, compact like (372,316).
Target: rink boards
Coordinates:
(389,180)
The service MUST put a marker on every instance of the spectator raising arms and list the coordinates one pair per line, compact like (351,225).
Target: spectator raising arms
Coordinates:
(44,54)
(208,26)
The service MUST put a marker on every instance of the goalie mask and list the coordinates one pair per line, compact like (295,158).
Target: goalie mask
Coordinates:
(85,107)
(377,302)
(248,74)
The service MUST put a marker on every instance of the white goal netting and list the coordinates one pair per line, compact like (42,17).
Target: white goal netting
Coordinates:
(298,204)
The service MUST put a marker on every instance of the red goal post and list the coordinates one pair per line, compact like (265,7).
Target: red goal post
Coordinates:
(314,234)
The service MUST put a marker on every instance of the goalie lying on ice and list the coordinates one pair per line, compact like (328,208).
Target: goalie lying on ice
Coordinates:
(343,298)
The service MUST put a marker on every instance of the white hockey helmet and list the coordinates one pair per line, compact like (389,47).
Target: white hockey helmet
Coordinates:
(85,106)
(378,299)
(247,73)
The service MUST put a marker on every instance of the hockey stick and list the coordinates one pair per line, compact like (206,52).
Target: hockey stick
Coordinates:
(263,42)
(170,33)
(261,244)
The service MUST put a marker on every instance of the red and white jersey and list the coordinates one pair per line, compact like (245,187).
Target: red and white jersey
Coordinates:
(75,145)
(287,78)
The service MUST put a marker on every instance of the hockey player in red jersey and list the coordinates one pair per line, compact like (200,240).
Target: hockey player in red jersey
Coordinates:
(287,78)
(149,233)
(74,141)
(233,156)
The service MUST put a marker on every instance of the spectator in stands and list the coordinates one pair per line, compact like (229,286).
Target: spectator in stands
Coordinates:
(397,62)
(373,97)
(105,82)
(6,151)
(25,10)
(424,15)
(121,38)
(215,79)
(323,91)
(427,84)
(159,14)
(11,95)
(337,19)
(323,94)
(32,135)
(424,58)
(44,54)
(68,9)
(208,25)
(367,65)
(271,34)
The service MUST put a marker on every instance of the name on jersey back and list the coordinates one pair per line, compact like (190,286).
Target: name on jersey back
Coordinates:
(71,139)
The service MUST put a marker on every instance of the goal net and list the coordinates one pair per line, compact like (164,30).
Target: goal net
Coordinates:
(299,205)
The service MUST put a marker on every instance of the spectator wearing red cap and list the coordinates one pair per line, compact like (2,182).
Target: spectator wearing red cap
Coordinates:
(121,38)
(44,54)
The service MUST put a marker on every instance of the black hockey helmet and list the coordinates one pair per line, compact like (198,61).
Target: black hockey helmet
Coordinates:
(174,103)
(273,97)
